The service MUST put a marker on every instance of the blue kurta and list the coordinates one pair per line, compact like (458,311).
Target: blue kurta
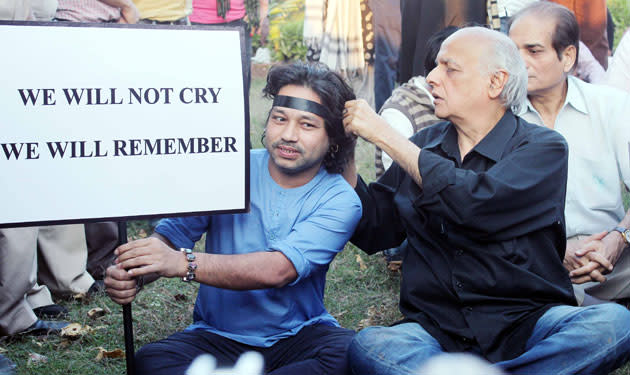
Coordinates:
(309,224)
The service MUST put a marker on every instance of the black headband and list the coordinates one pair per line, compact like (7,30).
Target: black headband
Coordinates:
(301,104)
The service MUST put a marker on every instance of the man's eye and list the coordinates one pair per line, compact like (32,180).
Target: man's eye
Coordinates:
(307,125)
(277,118)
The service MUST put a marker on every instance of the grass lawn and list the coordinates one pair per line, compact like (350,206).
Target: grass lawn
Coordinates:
(360,292)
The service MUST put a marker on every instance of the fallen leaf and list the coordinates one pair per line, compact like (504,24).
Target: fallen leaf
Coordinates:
(3,350)
(79,296)
(34,358)
(96,312)
(362,265)
(75,330)
(103,353)
(180,297)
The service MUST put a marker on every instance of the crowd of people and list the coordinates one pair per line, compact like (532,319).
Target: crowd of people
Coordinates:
(501,163)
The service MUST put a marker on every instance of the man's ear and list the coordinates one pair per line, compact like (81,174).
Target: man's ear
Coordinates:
(498,80)
(569,56)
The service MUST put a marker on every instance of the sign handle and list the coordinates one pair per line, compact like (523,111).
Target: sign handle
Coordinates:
(127,320)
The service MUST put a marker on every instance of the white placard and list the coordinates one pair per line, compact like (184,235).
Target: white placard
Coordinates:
(120,122)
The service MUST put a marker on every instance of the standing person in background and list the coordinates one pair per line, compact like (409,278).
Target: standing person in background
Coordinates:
(504,10)
(164,12)
(618,73)
(592,19)
(422,18)
(120,11)
(16,10)
(386,20)
(232,13)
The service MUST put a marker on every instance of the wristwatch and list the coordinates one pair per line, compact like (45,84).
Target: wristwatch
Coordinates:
(625,233)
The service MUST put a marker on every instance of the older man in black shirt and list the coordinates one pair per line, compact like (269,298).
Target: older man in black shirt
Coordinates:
(480,199)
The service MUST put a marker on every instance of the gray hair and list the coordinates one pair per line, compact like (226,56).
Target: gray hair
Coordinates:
(503,55)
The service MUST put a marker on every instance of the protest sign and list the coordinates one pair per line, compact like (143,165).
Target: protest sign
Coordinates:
(118,122)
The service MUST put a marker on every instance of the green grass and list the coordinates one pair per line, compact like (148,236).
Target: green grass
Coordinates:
(360,292)
(620,11)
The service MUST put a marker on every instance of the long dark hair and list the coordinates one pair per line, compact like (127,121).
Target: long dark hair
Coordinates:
(333,91)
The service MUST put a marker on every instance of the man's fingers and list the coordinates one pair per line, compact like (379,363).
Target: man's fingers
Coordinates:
(597,236)
(581,279)
(138,261)
(599,258)
(111,283)
(146,270)
(584,270)
(115,273)
(133,245)
(597,276)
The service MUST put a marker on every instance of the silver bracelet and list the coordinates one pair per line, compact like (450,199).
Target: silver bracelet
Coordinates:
(192,266)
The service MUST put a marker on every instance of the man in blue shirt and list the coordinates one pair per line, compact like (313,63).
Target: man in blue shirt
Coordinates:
(263,274)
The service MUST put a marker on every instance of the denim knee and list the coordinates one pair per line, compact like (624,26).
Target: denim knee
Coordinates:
(613,323)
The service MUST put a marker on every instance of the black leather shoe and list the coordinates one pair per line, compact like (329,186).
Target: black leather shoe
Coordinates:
(43,327)
(6,366)
(50,311)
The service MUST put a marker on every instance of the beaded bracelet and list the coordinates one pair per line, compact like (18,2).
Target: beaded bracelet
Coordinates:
(190,257)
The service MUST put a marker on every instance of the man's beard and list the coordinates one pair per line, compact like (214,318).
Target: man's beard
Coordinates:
(300,164)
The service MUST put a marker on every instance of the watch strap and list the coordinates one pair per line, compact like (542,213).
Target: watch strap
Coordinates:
(625,234)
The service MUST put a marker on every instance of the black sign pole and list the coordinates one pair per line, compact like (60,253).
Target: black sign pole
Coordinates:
(127,320)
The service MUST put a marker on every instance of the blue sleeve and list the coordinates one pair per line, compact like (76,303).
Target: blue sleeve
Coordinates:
(183,231)
(315,241)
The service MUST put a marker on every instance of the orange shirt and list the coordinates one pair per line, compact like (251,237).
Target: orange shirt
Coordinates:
(591,16)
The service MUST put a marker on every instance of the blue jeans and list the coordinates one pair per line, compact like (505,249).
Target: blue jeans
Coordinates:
(565,340)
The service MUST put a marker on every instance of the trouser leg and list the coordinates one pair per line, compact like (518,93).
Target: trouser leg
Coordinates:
(401,349)
(576,340)
(62,259)
(173,355)
(317,349)
(102,239)
(19,291)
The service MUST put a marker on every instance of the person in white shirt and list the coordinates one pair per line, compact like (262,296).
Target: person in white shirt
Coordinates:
(618,73)
(594,121)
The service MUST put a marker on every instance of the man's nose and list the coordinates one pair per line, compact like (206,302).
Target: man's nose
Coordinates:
(290,132)
(432,77)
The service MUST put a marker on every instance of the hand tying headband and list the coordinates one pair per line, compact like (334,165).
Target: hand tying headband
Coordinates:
(301,104)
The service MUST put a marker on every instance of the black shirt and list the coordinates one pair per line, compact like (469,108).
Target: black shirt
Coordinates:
(486,235)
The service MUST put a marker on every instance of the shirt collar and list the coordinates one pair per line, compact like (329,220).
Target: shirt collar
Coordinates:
(491,146)
(446,140)
(574,97)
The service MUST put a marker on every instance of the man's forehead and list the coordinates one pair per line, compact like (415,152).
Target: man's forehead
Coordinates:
(532,30)
(458,51)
